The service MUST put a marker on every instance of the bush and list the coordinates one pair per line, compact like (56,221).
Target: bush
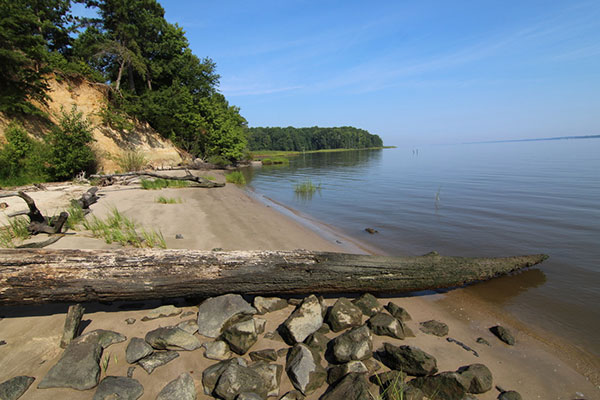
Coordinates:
(219,161)
(236,177)
(131,161)
(21,158)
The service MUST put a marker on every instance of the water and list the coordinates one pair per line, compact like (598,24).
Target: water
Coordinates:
(472,200)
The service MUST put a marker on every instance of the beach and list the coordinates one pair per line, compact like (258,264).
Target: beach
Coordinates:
(229,218)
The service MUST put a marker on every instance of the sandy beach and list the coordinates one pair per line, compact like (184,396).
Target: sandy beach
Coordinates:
(230,219)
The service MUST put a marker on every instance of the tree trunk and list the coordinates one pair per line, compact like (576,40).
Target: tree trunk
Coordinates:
(120,74)
(200,181)
(40,276)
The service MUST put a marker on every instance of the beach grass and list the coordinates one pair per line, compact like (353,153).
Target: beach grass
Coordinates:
(156,184)
(168,200)
(131,161)
(235,177)
(76,215)
(15,230)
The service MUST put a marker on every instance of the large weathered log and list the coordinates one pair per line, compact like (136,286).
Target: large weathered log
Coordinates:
(38,276)
(200,181)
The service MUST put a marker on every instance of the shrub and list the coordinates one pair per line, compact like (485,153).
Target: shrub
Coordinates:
(131,161)
(21,158)
(236,177)
(219,161)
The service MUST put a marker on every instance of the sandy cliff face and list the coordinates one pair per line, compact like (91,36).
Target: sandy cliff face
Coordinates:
(90,98)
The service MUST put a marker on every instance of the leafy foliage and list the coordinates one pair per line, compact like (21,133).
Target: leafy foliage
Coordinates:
(21,158)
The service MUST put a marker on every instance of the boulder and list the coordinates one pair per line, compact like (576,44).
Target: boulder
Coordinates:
(510,395)
(481,340)
(190,326)
(157,359)
(260,324)
(214,312)
(137,349)
(343,315)
(181,388)
(433,327)
(443,386)
(217,350)
(356,344)
(368,304)
(383,324)
(237,379)
(118,387)
(15,387)
(270,374)
(503,334)
(265,305)
(172,338)
(398,312)
(303,322)
(264,355)
(292,395)
(388,379)
(304,369)
(240,335)
(317,341)
(475,378)
(409,359)
(211,375)
(337,372)
(162,312)
(249,396)
(353,386)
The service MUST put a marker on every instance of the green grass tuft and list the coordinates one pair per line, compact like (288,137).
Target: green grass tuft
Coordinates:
(168,200)
(306,187)
(15,230)
(76,215)
(131,161)
(276,161)
(155,184)
(236,177)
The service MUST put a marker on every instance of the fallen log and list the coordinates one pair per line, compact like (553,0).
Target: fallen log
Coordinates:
(45,275)
(200,181)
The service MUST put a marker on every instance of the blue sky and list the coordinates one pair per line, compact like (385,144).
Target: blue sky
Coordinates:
(412,72)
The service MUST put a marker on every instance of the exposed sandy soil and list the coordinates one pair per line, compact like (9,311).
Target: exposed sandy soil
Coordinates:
(230,219)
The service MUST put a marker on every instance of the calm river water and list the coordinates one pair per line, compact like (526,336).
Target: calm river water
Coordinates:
(472,200)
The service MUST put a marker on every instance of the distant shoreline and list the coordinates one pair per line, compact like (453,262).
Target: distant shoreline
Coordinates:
(537,140)
(285,153)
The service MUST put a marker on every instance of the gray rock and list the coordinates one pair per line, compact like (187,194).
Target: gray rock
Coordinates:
(444,386)
(510,395)
(304,369)
(409,359)
(130,321)
(292,395)
(249,396)
(503,334)
(79,367)
(433,327)
(130,372)
(237,379)
(172,338)
(270,374)
(118,387)
(481,340)
(137,349)
(190,326)
(356,344)
(343,315)
(388,379)
(217,350)
(211,375)
(324,329)
(260,324)
(15,387)
(162,312)
(181,388)
(337,372)
(383,324)
(273,336)
(353,386)
(317,341)
(398,312)
(240,335)
(368,304)
(303,322)
(294,302)
(265,305)
(372,365)
(157,359)
(475,378)
(213,313)
(178,236)
(263,355)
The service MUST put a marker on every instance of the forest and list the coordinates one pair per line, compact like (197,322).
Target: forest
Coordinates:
(313,138)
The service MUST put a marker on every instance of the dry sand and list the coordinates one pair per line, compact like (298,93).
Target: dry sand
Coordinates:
(230,219)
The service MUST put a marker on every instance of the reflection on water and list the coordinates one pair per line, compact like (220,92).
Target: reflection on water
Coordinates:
(504,289)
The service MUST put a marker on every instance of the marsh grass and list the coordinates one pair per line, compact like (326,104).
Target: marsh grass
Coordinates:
(131,161)
(168,200)
(307,187)
(276,161)
(155,184)
(235,177)
(390,390)
(16,230)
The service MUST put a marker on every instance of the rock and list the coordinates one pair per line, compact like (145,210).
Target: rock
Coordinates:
(353,386)
(162,312)
(368,304)
(372,365)
(443,386)
(130,321)
(190,326)
(79,367)
(475,378)
(387,379)
(248,396)
(178,236)
(270,374)
(186,314)
(282,352)
(240,335)
(137,349)
(503,334)
(2,342)
(217,350)
(273,336)
(343,315)
(398,312)
(371,231)
(409,359)
(383,324)
(72,322)
(483,341)
(510,395)
(292,395)
(294,302)
(304,321)
(15,387)
(260,324)
(337,372)
(237,379)
(130,372)
(433,327)
(214,312)
(317,341)
(157,359)
(324,329)
(263,355)
(118,387)
(211,375)
(356,344)
(265,305)
(172,338)
(181,388)
(304,369)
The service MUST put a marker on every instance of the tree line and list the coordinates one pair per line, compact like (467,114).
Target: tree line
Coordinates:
(313,138)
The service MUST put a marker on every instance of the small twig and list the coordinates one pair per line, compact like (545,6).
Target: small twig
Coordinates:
(464,346)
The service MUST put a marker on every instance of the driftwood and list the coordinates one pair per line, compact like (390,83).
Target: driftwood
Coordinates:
(39,276)
(72,322)
(200,181)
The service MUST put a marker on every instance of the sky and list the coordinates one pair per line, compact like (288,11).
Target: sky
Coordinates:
(412,72)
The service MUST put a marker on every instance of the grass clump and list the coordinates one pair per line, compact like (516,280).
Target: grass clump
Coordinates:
(15,230)
(131,161)
(155,184)
(306,187)
(276,161)
(76,215)
(117,228)
(168,200)
(235,177)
